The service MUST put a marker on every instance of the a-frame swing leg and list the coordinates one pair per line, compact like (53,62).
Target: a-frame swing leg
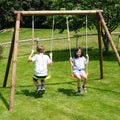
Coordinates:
(109,37)
(100,45)
(16,38)
(9,60)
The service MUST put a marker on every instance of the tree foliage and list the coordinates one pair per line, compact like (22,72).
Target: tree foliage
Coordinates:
(8,7)
(111,14)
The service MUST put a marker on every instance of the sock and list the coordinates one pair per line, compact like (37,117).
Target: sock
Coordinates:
(83,86)
(38,87)
(42,86)
(79,88)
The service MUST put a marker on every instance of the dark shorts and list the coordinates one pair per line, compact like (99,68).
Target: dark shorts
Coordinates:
(39,77)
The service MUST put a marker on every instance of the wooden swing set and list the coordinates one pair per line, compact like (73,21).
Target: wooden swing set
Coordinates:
(15,39)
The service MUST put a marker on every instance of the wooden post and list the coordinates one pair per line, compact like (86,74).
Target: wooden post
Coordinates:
(100,45)
(118,41)
(9,60)
(109,37)
(18,17)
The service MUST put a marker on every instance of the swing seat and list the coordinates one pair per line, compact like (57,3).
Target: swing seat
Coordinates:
(87,73)
(74,76)
(48,77)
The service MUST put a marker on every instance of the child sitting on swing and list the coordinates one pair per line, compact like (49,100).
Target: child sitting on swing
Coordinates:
(78,64)
(40,71)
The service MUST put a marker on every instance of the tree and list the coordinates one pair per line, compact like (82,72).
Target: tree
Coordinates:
(6,14)
(111,14)
(7,8)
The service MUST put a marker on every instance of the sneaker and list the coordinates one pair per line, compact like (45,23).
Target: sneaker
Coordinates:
(79,90)
(42,90)
(84,89)
(38,90)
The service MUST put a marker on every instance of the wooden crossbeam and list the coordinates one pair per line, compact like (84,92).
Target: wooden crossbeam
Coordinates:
(65,12)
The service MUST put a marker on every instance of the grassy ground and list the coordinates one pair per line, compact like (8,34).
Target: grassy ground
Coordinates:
(61,100)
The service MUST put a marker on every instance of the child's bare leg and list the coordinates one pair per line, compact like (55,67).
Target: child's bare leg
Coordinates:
(84,82)
(78,79)
(78,82)
(36,84)
(42,84)
(84,79)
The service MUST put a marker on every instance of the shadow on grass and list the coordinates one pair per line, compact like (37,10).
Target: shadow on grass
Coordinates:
(31,94)
(104,90)
(63,55)
(5,87)
(73,82)
(94,79)
(56,83)
(4,101)
(69,92)
(70,82)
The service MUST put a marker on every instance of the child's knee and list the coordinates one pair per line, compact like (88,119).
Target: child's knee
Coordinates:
(34,80)
(78,76)
(85,77)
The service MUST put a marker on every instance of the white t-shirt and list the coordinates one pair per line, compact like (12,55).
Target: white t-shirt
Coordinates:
(79,63)
(41,62)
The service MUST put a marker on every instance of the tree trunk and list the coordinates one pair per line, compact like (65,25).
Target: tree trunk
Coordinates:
(106,42)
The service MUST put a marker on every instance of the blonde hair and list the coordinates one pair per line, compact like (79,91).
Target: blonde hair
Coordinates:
(40,49)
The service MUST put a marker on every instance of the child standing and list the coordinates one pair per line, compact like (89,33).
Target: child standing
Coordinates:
(78,64)
(40,71)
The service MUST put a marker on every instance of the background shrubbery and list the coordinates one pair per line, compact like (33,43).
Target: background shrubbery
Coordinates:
(1,50)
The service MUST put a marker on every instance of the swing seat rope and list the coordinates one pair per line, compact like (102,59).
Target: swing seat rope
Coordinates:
(72,75)
(49,76)
(53,22)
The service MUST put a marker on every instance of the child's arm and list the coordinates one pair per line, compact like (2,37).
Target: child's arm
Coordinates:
(50,59)
(29,58)
(87,59)
(70,60)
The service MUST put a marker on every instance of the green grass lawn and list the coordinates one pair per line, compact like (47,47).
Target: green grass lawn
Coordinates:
(61,100)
